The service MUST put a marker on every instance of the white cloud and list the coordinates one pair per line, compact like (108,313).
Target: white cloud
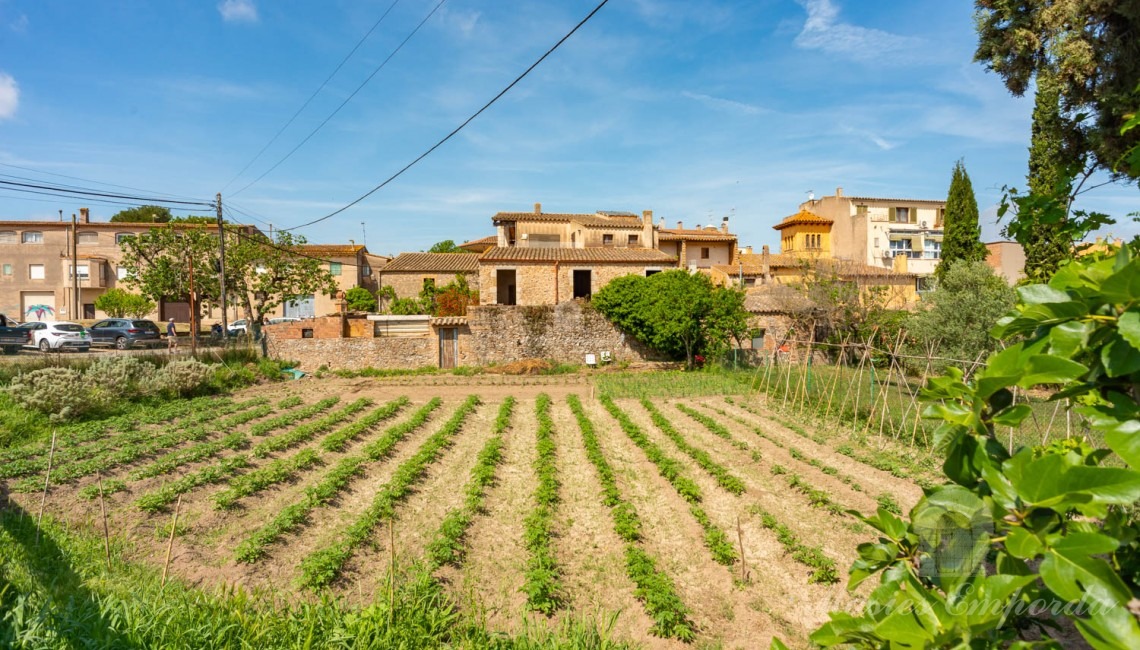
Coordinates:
(461,21)
(876,139)
(238,11)
(722,104)
(823,31)
(9,96)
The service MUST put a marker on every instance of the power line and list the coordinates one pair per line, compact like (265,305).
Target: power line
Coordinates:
(86,180)
(314,95)
(461,126)
(68,191)
(85,199)
(348,99)
(269,243)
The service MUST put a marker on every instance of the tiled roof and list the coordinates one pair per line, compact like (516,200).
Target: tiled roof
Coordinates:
(842,268)
(592,254)
(339,250)
(776,299)
(449,321)
(616,220)
(481,244)
(434,262)
(892,200)
(775,260)
(693,234)
(803,218)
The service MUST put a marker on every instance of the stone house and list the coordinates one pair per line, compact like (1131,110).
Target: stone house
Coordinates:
(409,273)
(549,276)
(698,248)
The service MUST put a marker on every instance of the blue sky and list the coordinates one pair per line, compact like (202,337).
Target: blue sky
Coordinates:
(695,109)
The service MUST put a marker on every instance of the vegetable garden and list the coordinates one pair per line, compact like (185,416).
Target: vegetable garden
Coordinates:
(644,519)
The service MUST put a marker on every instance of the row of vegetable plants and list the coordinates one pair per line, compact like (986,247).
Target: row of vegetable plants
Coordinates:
(337,479)
(283,469)
(306,432)
(823,569)
(322,567)
(448,546)
(817,498)
(542,576)
(654,589)
(715,538)
(724,478)
(288,419)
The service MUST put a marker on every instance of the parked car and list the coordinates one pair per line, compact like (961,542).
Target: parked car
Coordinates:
(238,327)
(124,333)
(282,319)
(51,335)
(12,337)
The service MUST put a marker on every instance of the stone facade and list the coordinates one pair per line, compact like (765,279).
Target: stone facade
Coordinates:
(549,283)
(488,335)
(409,284)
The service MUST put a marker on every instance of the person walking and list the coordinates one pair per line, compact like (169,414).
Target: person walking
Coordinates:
(171,336)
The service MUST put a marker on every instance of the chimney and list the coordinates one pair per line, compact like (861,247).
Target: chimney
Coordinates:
(647,216)
(85,215)
(839,192)
(679,225)
(724,225)
(747,250)
(765,269)
(538,208)
(647,229)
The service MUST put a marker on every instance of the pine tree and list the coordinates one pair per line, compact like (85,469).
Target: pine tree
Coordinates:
(962,240)
(1046,246)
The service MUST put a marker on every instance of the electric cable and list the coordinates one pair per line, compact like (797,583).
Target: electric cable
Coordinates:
(313,96)
(461,126)
(346,101)
(87,180)
(65,190)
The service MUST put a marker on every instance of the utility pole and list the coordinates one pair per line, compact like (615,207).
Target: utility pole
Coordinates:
(193,313)
(74,269)
(222,267)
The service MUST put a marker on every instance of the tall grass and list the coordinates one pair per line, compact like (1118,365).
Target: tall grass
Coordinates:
(672,383)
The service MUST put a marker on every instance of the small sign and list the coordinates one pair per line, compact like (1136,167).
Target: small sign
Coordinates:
(591,360)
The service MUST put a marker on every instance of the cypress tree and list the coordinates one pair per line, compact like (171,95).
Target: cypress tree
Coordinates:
(962,238)
(1046,246)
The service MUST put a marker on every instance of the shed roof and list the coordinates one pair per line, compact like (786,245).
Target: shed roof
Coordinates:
(434,262)
(592,254)
(337,250)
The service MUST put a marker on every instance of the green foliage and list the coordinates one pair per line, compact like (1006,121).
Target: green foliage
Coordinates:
(1046,245)
(541,578)
(1087,48)
(654,588)
(676,312)
(407,307)
(962,239)
(142,214)
(120,303)
(1053,526)
(287,419)
(305,432)
(724,478)
(445,246)
(360,299)
(954,320)
(823,567)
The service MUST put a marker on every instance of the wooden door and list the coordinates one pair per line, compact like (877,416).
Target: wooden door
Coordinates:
(448,347)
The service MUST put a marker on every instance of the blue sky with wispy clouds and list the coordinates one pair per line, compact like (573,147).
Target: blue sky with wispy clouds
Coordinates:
(695,109)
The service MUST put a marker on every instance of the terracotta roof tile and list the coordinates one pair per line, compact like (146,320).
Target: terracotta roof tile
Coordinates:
(803,218)
(609,220)
(592,254)
(892,200)
(693,234)
(346,250)
(449,321)
(776,299)
(434,262)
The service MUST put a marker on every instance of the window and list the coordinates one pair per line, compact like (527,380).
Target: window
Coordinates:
(36,271)
(32,237)
(704,252)
(902,247)
(902,215)
(8,237)
(334,268)
(87,238)
(366,271)
(607,240)
(122,273)
(923,284)
(931,249)
(7,269)
(632,240)
(876,242)
(120,237)
(861,210)
(81,270)
(649,272)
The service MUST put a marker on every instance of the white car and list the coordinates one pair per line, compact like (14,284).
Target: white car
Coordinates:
(51,335)
(238,327)
(282,319)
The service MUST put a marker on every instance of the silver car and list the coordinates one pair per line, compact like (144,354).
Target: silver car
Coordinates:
(51,335)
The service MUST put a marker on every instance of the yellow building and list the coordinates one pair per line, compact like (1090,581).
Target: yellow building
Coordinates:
(805,234)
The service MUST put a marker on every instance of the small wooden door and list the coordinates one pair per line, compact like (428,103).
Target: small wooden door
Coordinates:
(448,346)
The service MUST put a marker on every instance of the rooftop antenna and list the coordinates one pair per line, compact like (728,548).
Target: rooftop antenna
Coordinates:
(811,195)
(363,235)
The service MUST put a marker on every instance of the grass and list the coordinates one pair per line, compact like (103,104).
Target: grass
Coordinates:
(672,383)
(57,592)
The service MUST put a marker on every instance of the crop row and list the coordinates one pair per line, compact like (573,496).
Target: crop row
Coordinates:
(716,428)
(723,477)
(110,486)
(823,567)
(284,469)
(162,497)
(128,438)
(305,432)
(323,566)
(287,419)
(541,579)
(817,498)
(830,470)
(255,546)
(448,547)
(654,588)
(82,432)
(715,539)
(755,429)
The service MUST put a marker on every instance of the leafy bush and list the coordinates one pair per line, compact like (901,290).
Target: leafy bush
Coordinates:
(61,393)
(360,299)
(183,377)
(122,376)
(120,303)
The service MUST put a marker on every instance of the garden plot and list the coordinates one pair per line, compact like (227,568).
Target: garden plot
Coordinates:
(666,520)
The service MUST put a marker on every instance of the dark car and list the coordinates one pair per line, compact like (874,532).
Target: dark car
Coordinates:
(124,333)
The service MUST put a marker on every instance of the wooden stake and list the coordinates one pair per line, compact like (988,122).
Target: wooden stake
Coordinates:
(170,543)
(106,533)
(740,543)
(47,481)
(391,571)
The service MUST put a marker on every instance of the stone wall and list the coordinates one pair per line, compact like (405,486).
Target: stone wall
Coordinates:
(409,284)
(356,353)
(544,283)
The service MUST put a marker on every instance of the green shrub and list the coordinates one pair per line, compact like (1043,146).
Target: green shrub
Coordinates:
(60,393)
(183,377)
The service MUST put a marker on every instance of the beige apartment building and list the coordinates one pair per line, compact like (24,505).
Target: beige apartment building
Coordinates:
(875,231)
(351,265)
